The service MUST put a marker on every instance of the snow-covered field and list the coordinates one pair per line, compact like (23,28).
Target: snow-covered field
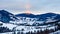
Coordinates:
(13,25)
(7,33)
(17,27)
(26,28)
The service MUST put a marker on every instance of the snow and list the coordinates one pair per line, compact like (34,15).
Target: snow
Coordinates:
(7,33)
(0,22)
(33,28)
(53,27)
(27,28)
(40,22)
(50,20)
(10,26)
(29,21)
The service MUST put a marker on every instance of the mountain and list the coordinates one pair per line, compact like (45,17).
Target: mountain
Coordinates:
(28,19)
(28,23)
(5,16)
(38,19)
(40,16)
(49,16)
(25,15)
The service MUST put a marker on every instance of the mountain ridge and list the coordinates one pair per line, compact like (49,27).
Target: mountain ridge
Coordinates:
(6,16)
(50,15)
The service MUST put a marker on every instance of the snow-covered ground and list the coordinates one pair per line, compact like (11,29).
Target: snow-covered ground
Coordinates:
(7,33)
(10,26)
(24,29)
(13,25)
(27,28)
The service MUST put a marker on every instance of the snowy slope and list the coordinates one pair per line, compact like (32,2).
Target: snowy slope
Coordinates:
(10,26)
(6,16)
(27,23)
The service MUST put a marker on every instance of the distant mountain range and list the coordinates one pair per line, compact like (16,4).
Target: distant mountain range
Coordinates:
(5,16)
(41,16)
(26,15)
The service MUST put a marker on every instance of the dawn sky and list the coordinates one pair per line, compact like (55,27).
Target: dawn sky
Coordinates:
(37,6)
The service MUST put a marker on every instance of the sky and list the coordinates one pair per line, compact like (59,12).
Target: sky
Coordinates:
(36,6)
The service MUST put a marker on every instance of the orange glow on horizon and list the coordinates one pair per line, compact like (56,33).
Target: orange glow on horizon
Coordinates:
(28,12)
(28,6)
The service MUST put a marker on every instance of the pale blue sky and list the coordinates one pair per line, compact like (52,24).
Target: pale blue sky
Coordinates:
(37,6)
